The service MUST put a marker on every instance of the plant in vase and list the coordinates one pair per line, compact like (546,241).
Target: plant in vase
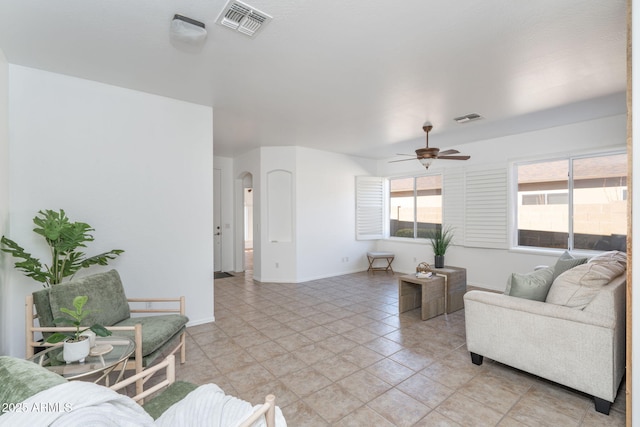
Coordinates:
(76,345)
(64,238)
(441,238)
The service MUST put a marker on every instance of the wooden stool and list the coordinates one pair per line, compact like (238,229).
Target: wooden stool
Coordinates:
(388,256)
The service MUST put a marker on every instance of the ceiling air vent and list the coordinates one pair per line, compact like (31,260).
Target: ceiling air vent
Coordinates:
(468,118)
(242,17)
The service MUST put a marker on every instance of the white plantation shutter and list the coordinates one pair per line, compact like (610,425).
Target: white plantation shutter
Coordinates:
(453,196)
(486,210)
(370,203)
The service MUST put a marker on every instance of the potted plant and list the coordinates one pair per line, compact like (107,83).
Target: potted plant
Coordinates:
(441,237)
(64,238)
(76,345)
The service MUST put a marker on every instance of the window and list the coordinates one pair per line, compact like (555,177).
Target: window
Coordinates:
(415,205)
(575,203)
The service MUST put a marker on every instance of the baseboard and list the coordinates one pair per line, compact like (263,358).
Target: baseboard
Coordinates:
(201,321)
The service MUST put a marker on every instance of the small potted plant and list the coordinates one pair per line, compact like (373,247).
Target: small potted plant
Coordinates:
(76,345)
(441,237)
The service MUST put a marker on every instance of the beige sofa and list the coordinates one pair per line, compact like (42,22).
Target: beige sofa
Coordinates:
(575,336)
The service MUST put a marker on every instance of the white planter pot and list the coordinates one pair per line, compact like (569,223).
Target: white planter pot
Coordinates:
(76,351)
(91,335)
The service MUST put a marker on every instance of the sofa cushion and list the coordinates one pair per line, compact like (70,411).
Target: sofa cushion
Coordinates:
(566,262)
(576,287)
(107,302)
(534,285)
(156,330)
(22,379)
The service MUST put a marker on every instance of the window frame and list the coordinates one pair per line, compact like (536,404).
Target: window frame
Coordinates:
(514,200)
(387,218)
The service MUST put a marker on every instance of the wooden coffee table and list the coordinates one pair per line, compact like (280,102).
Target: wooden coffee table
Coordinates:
(107,354)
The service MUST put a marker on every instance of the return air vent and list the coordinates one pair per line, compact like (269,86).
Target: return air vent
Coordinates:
(468,118)
(243,18)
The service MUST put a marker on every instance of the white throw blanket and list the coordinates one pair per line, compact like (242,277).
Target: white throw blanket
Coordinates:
(81,404)
(77,404)
(209,406)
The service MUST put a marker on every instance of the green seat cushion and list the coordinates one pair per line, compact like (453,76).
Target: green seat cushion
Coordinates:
(107,302)
(22,379)
(156,330)
(172,394)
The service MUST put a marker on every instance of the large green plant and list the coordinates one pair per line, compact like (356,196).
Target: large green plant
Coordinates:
(64,239)
(441,239)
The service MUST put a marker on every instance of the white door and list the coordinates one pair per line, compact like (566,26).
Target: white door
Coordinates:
(217,221)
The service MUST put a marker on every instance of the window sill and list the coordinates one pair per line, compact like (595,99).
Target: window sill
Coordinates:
(552,252)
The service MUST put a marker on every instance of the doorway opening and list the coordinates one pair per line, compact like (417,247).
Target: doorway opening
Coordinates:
(248,228)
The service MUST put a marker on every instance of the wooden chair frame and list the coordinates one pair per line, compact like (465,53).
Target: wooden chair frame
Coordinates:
(268,408)
(135,363)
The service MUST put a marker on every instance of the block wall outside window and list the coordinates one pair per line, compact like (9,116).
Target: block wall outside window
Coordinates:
(415,205)
(573,203)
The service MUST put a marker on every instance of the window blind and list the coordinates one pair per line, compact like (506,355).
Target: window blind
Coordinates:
(370,203)
(486,210)
(453,200)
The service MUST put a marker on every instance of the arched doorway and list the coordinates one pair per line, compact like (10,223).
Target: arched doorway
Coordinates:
(245,243)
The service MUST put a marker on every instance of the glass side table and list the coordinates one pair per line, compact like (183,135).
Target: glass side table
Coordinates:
(107,354)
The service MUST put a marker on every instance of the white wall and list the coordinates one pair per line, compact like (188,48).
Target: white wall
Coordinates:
(325,214)
(277,256)
(5,306)
(489,268)
(137,167)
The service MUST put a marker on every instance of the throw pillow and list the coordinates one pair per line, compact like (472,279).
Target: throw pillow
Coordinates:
(610,256)
(22,379)
(533,286)
(576,288)
(566,262)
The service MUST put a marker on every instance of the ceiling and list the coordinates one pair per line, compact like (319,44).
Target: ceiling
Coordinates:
(353,76)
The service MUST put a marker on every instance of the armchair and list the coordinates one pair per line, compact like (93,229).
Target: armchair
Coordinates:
(162,331)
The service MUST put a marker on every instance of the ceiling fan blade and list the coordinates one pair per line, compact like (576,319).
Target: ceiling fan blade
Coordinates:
(403,154)
(447,152)
(402,160)
(454,157)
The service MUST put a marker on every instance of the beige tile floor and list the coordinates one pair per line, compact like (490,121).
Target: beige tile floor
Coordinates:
(336,352)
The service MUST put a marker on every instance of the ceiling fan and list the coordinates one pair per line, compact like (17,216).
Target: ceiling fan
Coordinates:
(427,155)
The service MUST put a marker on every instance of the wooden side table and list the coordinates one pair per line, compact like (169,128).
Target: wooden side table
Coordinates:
(456,284)
(429,293)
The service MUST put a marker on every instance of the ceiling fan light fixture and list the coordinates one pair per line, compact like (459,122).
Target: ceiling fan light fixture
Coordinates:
(426,162)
